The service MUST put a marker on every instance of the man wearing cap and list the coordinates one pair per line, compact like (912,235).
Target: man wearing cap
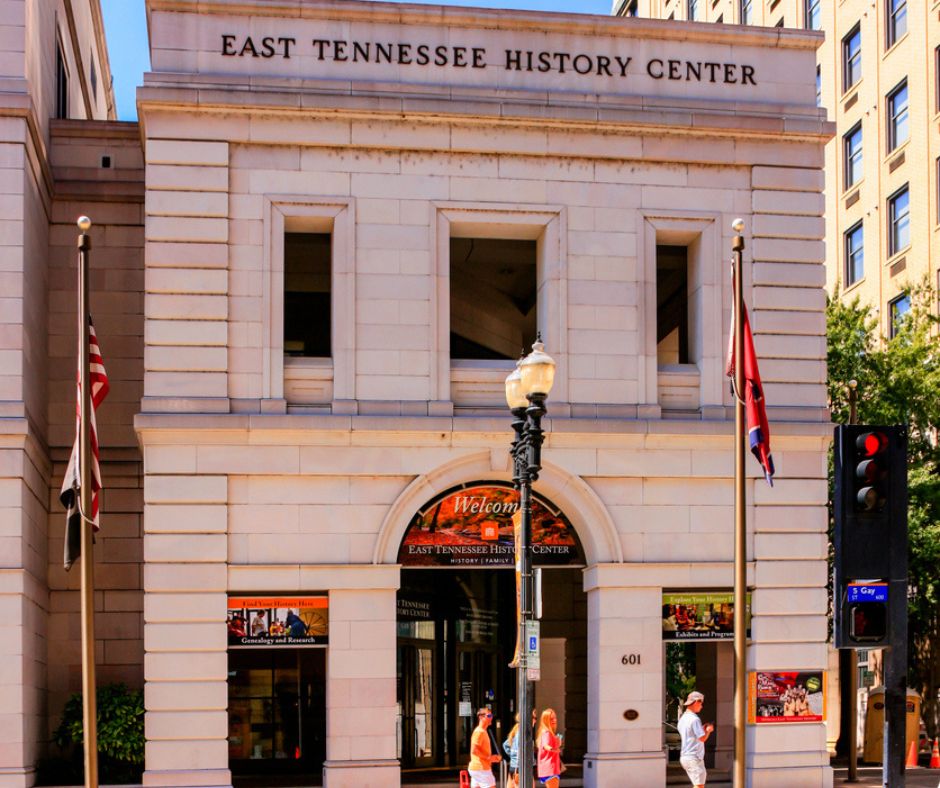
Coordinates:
(694,735)
(481,753)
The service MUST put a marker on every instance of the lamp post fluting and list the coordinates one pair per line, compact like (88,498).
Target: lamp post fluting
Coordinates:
(527,389)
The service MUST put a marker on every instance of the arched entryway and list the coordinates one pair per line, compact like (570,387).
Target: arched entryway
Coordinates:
(456,624)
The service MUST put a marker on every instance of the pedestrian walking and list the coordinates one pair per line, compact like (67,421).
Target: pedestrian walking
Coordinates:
(549,749)
(481,753)
(694,735)
(511,748)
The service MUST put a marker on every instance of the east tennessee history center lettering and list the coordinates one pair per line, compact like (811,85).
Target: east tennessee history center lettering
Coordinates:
(613,65)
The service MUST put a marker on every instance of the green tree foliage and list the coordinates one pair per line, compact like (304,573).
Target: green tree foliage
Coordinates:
(120,732)
(899,383)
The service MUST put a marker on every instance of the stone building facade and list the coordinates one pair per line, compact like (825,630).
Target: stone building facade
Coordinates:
(352,215)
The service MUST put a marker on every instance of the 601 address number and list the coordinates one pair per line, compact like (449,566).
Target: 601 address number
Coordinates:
(630,659)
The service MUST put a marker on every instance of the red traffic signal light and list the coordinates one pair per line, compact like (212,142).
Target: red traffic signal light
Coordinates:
(871,470)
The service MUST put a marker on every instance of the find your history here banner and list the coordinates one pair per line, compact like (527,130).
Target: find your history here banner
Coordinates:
(272,622)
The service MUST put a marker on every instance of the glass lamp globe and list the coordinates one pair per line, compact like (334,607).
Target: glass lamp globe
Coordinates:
(515,397)
(538,371)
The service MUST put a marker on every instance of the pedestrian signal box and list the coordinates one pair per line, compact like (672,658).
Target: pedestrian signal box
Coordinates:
(870,532)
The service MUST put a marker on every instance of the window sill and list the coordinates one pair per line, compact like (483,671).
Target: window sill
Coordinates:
(849,288)
(679,386)
(479,383)
(308,381)
(896,44)
(897,256)
(896,151)
(850,96)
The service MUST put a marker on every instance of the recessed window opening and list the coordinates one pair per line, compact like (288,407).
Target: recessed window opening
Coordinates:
(898,308)
(852,58)
(61,83)
(493,297)
(307,272)
(672,305)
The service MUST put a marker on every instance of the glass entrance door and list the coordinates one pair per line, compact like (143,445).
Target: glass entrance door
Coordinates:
(418,709)
(479,683)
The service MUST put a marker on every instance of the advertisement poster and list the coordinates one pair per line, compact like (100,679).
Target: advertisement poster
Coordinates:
(700,615)
(787,696)
(271,622)
(472,526)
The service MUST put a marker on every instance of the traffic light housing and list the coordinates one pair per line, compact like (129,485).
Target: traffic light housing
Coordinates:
(870,533)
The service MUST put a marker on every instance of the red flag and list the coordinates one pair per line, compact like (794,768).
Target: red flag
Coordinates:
(757,427)
(70,496)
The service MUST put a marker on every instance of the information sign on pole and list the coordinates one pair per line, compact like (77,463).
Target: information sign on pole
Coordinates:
(532,643)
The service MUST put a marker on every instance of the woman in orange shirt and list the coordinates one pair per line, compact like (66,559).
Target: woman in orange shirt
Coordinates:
(549,744)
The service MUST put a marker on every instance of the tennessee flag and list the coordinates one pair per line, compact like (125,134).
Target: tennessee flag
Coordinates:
(753,395)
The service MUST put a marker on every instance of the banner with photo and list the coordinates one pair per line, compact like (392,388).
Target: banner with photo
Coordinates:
(278,622)
(701,615)
(472,526)
(786,696)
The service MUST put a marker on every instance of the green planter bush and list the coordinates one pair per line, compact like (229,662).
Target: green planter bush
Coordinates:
(120,739)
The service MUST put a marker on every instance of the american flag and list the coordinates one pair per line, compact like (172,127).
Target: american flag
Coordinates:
(757,427)
(72,483)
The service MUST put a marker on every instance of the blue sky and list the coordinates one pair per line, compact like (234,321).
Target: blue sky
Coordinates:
(126,28)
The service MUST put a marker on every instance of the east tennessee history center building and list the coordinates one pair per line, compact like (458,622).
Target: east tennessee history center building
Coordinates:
(316,258)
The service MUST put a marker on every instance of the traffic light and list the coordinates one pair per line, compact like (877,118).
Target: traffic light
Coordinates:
(870,533)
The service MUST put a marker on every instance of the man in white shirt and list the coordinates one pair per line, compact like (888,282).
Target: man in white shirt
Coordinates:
(694,735)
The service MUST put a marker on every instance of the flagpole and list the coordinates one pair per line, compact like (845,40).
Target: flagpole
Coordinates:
(89,697)
(740,520)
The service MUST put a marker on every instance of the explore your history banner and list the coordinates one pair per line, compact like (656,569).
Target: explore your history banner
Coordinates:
(786,696)
(700,615)
(271,622)
(471,526)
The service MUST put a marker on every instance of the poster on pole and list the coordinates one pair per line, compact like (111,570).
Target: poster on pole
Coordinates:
(780,697)
(700,615)
(273,622)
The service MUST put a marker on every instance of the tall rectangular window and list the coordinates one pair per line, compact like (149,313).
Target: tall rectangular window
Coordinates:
(493,297)
(747,12)
(854,255)
(898,126)
(693,10)
(307,294)
(899,221)
(672,305)
(814,14)
(852,58)
(897,20)
(61,83)
(852,151)
(818,83)
(898,309)
(631,8)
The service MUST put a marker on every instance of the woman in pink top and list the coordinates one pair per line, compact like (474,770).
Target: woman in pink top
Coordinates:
(549,746)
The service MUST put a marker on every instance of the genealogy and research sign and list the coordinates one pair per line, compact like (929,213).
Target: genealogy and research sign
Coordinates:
(700,615)
(274,621)
(472,526)
(786,696)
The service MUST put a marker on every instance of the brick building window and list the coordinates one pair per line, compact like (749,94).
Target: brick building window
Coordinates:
(899,221)
(852,150)
(747,12)
(852,58)
(898,125)
(897,20)
(693,10)
(61,82)
(814,14)
(854,255)
(898,309)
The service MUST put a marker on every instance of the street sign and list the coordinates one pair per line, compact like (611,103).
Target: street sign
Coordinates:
(867,592)
(868,678)
(532,650)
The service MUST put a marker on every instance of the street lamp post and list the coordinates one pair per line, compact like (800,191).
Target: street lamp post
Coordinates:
(527,389)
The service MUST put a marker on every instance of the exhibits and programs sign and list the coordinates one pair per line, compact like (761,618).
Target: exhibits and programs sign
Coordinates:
(786,696)
(271,622)
(700,615)
(471,526)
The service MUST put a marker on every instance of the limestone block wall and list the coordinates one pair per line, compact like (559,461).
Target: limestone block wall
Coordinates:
(112,196)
